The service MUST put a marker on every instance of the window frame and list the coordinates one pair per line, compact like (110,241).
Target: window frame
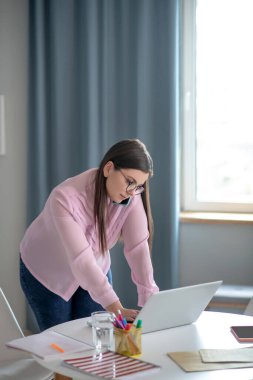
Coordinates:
(188,107)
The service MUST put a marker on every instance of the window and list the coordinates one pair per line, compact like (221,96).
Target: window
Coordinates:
(218,105)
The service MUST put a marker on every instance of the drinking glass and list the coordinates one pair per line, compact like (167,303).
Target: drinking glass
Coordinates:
(102,329)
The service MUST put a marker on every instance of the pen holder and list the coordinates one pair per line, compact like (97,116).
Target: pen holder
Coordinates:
(128,342)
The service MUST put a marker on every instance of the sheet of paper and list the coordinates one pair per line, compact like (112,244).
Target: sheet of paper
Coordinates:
(227,355)
(190,361)
(46,343)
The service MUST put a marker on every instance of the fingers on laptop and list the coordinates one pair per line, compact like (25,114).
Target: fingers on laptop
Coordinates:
(129,314)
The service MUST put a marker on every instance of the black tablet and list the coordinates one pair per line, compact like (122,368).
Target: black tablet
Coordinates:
(243,333)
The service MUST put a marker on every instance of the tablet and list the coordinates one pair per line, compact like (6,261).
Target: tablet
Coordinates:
(243,333)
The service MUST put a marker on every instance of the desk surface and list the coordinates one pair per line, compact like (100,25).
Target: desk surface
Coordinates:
(211,330)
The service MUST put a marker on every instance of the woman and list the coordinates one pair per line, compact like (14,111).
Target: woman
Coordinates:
(65,259)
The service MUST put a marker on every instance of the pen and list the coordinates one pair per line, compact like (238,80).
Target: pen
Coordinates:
(56,347)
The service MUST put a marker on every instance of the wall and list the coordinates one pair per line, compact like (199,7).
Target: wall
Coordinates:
(13,84)
(210,252)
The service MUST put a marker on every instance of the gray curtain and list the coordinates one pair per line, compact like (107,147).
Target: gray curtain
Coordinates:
(101,71)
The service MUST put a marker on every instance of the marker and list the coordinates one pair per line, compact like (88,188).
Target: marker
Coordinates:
(56,347)
(120,320)
(139,324)
(120,324)
(120,315)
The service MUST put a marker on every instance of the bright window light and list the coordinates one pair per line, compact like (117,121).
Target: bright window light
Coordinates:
(223,102)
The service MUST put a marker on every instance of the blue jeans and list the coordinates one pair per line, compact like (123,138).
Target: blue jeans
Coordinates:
(49,308)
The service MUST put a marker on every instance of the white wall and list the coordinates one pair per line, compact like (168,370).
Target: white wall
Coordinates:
(13,84)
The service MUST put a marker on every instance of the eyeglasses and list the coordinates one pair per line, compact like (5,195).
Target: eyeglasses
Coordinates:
(131,185)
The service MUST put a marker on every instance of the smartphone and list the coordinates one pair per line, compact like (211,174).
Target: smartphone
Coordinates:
(243,333)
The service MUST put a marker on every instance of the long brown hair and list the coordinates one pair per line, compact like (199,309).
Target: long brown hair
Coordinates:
(126,154)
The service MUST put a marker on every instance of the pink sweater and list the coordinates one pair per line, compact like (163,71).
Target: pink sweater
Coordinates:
(61,247)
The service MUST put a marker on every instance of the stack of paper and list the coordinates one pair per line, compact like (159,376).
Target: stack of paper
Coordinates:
(49,344)
(213,359)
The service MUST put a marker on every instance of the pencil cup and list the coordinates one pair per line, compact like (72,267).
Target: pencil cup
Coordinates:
(128,342)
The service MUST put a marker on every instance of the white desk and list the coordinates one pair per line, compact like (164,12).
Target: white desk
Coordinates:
(212,330)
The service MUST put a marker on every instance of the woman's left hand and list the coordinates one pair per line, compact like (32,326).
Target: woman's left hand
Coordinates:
(129,314)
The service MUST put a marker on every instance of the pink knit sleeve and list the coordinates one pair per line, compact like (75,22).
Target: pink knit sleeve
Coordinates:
(135,235)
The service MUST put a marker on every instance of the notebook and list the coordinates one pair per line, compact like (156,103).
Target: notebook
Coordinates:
(176,307)
(49,345)
(110,365)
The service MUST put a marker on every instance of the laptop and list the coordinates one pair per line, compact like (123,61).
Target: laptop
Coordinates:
(176,307)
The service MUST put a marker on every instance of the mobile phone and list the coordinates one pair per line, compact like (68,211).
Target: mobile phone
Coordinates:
(243,333)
